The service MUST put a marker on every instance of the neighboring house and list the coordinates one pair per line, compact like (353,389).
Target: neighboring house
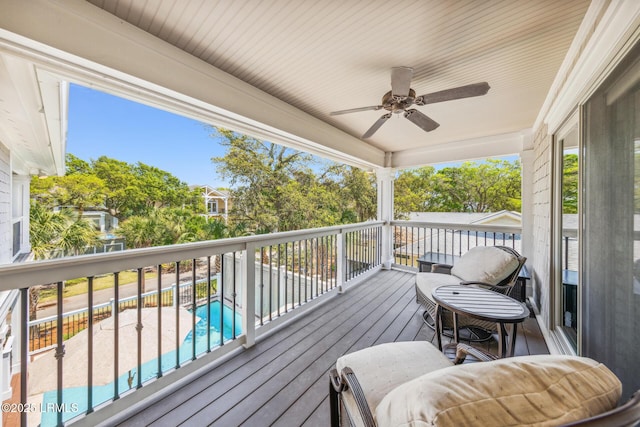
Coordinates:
(104,221)
(217,202)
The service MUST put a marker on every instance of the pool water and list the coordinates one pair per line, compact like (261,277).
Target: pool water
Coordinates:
(75,399)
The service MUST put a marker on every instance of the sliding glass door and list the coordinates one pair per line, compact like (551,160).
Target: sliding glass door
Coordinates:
(610,230)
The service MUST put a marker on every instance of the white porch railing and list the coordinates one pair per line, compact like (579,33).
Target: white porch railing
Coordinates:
(412,239)
(260,281)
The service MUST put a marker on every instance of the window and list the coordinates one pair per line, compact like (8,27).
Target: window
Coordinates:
(212,206)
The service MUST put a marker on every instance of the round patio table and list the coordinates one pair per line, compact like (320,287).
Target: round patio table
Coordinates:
(481,304)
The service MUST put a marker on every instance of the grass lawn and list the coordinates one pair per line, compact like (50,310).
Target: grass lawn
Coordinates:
(80,286)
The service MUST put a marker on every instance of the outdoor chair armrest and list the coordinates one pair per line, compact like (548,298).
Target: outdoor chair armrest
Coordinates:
(337,383)
(626,415)
(441,268)
(358,395)
(464,350)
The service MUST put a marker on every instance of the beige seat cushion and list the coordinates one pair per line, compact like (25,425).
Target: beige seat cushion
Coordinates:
(383,367)
(427,282)
(520,391)
(486,264)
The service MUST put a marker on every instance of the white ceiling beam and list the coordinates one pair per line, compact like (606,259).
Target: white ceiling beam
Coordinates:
(110,53)
(470,149)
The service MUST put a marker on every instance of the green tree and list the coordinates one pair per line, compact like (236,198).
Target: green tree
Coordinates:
(260,173)
(359,192)
(414,191)
(485,187)
(114,186)
(570,184)
(471,187)
(279,189)
(74,190)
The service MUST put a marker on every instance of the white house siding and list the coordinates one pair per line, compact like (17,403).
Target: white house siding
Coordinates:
(6,231)
(542,220)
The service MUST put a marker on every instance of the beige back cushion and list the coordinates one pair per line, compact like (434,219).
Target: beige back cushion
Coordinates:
(486,264)
(524,391)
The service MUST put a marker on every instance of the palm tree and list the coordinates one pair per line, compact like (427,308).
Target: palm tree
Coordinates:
(54,234)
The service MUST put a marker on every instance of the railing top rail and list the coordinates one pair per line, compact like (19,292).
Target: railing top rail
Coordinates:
(15,276)
(452,226)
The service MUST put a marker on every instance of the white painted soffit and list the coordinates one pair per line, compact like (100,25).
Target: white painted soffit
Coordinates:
(77,40)
(34,121)
(608,31)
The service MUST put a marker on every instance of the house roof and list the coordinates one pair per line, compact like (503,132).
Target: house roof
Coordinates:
(277,69)
(495,218)
(210,191)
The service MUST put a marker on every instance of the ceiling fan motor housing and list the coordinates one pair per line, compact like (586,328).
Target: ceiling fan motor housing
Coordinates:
(397,104)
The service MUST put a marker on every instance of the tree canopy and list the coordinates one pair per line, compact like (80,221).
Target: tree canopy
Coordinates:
(275,188)
(114,186)
(489,186)
(570,184)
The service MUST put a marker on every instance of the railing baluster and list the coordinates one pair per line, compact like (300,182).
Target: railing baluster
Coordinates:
(90,346)
(278,281)
(176,304)
(270,282)
(116,331)
(233,294)
(299,273)
(193,309)
(209,304)
(139,327)
(59,351)
(306,271)
(261,285)
(24,352)
(316,265)
(221,285)
(159,308)
(286,275)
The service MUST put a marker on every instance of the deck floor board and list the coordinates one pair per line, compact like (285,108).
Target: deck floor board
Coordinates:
(283,379)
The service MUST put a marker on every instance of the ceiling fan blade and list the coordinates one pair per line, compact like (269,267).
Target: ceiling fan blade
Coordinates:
(376,126)
(356,110)
(419,119)
(401,81)
(468,91)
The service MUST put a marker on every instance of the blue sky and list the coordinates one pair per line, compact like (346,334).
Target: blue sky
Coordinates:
(102,124)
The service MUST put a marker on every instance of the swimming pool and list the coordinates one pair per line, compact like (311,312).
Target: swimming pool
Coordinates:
(75,399)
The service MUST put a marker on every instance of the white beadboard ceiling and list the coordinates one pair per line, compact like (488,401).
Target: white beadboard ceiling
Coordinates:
(322,56)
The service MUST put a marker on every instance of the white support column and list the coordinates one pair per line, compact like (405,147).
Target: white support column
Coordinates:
(385,177)
(249,296)
(527,158)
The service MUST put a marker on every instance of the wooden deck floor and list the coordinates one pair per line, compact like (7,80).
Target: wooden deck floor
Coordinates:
(283,379)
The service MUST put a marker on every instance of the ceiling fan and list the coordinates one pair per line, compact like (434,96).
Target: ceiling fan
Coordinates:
(401,97)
